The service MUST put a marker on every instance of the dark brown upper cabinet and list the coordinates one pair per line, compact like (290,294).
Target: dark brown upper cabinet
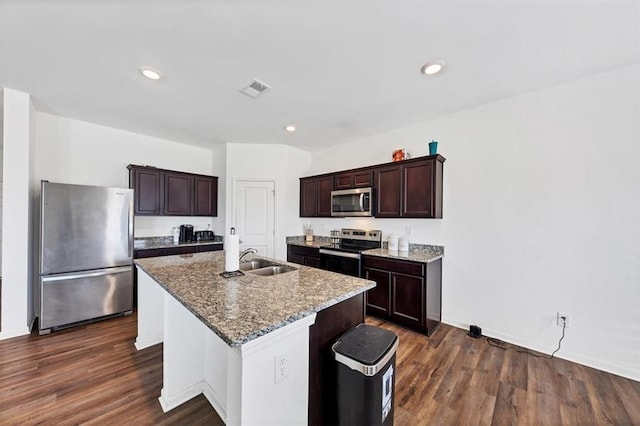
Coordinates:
(149,195)
(315,196)
(205,202)
(178,194)
(404,189)
(161,192)
(411,188)
(422,194)
(357,179)
(388,185)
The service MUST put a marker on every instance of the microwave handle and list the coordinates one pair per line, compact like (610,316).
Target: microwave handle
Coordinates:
(362,202)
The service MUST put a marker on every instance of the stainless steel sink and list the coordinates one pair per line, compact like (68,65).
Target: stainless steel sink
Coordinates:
(255,264)
(273,270)
(264,267)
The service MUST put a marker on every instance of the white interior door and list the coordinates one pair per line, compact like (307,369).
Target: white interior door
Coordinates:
(254,215)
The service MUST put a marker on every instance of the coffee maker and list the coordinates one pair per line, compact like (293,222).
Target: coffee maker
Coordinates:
(186,234)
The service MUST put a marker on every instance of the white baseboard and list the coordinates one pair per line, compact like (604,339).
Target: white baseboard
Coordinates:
(170,402)
(145,343)
(629,373)
(215,402)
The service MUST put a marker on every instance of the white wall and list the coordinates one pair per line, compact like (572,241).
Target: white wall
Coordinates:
(541,214)
(220,166)
(279,163)
(17,247)
(72,151)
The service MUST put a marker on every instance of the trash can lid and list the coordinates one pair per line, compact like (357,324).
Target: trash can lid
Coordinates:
(365,343)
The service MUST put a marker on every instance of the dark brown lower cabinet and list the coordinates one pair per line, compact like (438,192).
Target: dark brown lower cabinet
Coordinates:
(170,251)
(407,293)
(307,256)
(330,324)
(378,298)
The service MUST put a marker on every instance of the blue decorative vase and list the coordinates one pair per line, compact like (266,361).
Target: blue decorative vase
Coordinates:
(433,147)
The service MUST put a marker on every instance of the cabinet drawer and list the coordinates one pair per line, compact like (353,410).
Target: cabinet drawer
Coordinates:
(303,251)
(400,266)
(181,250)
(294,258)
(141,254)
(209,247)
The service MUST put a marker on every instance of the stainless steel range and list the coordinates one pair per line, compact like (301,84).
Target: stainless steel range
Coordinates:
(344,256)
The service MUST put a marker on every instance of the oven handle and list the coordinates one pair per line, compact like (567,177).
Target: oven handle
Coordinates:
(340,254)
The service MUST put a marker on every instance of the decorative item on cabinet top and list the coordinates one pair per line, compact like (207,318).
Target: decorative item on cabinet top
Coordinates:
(400,155)
(161,192)
(433,147)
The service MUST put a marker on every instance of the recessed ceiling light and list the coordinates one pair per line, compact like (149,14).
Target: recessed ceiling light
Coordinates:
(432,67)
(150,73)
(290,128)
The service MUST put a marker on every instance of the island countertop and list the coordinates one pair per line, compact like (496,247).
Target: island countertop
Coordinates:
(240,309)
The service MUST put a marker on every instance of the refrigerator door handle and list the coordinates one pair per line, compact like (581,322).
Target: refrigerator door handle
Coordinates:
(75,275)
(131,230)
(130,242)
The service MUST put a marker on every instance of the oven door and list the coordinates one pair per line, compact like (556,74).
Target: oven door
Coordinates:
(341,262)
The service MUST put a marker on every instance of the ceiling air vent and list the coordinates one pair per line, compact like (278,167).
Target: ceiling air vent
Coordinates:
(255,88)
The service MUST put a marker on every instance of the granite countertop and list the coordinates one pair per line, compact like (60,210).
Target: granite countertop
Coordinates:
(318,241)
(147,243)
(244,308)
(417,253)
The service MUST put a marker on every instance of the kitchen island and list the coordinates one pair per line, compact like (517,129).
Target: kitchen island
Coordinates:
(255,346)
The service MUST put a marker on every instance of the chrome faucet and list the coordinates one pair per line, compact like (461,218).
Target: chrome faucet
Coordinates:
(247,251)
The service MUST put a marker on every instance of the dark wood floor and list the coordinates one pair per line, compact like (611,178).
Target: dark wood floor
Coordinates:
(93,374)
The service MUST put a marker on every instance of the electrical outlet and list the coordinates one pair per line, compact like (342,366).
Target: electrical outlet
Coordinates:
(407,231)
(281,367)
(562,320)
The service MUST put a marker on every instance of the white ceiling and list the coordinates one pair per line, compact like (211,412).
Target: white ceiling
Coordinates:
(339,70)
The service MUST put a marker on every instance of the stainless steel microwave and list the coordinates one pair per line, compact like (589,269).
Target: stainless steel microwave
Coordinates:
(352,202)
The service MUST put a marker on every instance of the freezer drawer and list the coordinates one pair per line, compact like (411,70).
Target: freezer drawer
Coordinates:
(69,298)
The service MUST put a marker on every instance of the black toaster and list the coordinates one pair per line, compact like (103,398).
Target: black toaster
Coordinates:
(203,236)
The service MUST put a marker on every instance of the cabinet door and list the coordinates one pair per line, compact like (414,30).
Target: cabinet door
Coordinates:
(344,181)
(141,254)
(378,298)
(388,185)
(209,247)
(314,262)
(181,250)
(148,194)
(205,196)
(325,186)
(308,197)
(418,185)
(295,258)
(407,299)
(360,179)
(177,194)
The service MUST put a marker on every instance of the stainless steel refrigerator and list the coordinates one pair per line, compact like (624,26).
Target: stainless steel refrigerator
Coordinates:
(86,254)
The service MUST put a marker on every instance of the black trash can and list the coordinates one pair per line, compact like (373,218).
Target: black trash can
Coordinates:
(366,358)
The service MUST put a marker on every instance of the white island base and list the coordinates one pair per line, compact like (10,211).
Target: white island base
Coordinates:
(244,384)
